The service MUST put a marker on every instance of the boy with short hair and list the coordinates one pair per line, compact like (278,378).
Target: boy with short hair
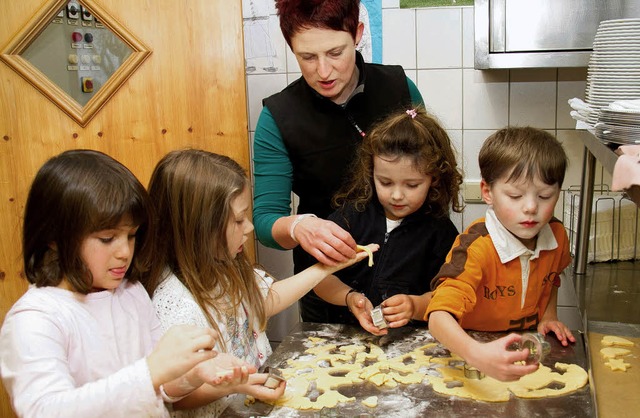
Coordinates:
(503,272)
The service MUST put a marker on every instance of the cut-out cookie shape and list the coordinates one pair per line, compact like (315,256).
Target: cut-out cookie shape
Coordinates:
(617,364)
(613,352)
(540,384)
(612,340)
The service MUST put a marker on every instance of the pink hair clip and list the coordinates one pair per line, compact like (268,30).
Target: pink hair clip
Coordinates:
(412,113)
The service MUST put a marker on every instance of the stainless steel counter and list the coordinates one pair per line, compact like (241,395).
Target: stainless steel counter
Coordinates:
(418,400)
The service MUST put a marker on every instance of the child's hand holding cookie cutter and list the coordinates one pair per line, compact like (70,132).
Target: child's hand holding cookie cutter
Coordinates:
(274,378)
(378,317)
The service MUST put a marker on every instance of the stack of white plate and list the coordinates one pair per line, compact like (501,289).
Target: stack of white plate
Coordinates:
(618,126)
(614,67)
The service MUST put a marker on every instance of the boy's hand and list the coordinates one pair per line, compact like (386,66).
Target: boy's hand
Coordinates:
(496,360)
(398,310)
(563,333)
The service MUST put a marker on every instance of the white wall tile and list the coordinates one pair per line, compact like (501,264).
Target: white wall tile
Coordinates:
(571,83)
(468,38)
(389,4)
(533,98)
(457,219)
(472,141)
(574,149)
(442,93)
(292,62)
(485,99)
(413,75)
(439,37)
(399,37)
(291,77)
(260,86)
(472,212)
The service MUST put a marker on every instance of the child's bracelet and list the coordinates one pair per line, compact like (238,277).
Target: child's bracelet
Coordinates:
(347,296)
(296,221)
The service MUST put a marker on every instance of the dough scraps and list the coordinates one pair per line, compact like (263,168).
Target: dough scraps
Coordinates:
(617,364)
(613,352)
(325,367)
(612,340)
(313,379)
(541,384)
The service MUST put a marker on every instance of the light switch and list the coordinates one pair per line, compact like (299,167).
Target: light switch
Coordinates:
(86,14)
(472,192)
(73,10)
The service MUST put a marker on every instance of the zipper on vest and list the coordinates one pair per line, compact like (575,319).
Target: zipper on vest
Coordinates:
(354,124)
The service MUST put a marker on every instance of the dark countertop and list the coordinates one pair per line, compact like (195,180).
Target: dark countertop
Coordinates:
(419,400)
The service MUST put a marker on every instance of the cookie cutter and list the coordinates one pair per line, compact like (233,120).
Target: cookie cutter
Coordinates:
(274,377)
(471,372)
(378,318)
(537,345)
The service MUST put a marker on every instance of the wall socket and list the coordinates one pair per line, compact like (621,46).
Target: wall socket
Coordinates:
(472,192)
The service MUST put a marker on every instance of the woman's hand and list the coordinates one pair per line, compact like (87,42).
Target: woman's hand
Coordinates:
(325,240)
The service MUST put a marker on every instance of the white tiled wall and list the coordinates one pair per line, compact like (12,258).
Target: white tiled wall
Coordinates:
(435,47)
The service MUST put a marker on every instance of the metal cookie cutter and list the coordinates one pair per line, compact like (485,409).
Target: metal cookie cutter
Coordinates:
(378,318)
(274,378)
(471,372)
(537,345)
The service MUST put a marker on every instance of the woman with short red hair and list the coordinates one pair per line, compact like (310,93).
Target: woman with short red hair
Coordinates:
(308,133)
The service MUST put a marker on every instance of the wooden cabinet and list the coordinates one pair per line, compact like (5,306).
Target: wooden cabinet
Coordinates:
(190,92)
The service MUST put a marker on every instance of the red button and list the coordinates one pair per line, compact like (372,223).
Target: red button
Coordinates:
(76,37)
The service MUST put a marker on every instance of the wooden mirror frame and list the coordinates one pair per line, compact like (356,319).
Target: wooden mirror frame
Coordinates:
(21,41)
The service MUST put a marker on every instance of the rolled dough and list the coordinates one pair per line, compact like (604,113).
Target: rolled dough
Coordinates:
(313,379)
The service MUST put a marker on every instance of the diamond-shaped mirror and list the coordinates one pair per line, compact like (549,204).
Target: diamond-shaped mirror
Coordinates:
(76,54)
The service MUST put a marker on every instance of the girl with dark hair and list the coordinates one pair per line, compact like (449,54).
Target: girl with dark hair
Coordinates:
(84,340)
(404,182)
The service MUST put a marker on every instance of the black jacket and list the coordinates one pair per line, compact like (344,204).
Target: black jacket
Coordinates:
(408,258)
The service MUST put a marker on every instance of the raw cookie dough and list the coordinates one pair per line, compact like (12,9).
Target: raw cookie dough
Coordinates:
(617,364)
(613,352)
(534,385)
(611,340)
(314,377)
(323,368)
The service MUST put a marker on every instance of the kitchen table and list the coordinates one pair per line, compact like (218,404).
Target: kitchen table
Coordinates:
(418,400)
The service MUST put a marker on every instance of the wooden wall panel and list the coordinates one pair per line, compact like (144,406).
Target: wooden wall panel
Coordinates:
(190,92)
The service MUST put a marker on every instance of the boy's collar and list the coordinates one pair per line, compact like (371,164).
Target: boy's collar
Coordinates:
(509,247)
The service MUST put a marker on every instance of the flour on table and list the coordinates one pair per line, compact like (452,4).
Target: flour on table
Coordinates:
(313,379)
